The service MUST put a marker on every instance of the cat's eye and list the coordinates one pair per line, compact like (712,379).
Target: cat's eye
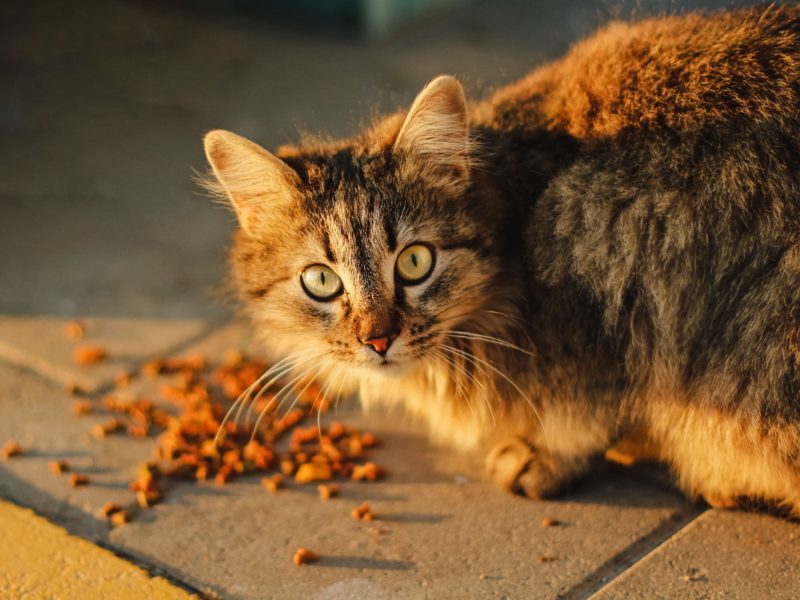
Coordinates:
(414,264)
(320,282)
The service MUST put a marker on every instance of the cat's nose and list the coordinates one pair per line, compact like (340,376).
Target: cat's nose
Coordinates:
(381,342)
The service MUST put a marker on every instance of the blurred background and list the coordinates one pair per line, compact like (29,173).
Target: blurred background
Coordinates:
(104,103)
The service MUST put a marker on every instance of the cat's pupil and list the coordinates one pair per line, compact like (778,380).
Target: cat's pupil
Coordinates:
(414,259)
(322,278)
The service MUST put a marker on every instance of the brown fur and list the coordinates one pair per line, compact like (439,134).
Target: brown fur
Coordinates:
(623,222)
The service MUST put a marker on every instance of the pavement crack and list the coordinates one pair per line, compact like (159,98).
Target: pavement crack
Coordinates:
(632,554)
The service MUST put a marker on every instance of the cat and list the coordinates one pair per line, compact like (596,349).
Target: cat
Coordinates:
(608,247)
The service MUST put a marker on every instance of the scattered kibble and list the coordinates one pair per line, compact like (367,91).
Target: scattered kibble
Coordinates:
(546,558)
(58,466)
(273,483)
(197,443)
(549,522)
(328,490)
(363,513)
(122,380)
(368,471)
(11,449)
(82,407)
(109,508)
(89,354)
(77,480)
(303,556)
(74,330)
(120,517)
(313,471)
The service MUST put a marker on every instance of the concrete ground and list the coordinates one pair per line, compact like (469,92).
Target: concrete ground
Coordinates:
(101,117)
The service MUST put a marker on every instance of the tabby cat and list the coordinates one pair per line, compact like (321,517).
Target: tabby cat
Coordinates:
(610,245)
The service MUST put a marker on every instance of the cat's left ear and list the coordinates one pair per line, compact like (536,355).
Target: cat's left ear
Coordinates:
(433,143)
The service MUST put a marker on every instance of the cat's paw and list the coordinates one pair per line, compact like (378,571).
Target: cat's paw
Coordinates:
(517,467)
(507,461)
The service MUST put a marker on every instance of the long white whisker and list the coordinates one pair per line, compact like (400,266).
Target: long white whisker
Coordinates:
(287,369)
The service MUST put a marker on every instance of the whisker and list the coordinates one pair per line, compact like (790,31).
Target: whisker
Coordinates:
(485,338)
(287,387)
(287,369)
(472,359)
(245,394)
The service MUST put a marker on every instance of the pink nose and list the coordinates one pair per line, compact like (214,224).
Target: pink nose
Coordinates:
(380,344)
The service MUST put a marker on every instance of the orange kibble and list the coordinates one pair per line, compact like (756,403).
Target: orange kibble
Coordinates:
(368,471)
(309,472)
(74,330)
(77,480)
(354,447)
(109,508)
(304,556)
(328,490)
(89,354)
(11,448)
(362,513)
(336,430)
(549,522)
(287,466)
(58,466)
(272,484)
(146,499)
(82,407)
(368,440)
(120,517)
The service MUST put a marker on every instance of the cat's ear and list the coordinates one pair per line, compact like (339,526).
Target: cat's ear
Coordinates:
(257,183)
(433,143)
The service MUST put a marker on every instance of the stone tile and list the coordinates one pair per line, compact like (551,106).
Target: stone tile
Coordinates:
(38,415)
(32,550)
(39,343)
(442,530)
(722,554)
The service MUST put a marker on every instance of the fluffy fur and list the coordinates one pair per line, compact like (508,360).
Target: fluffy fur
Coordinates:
(617,245)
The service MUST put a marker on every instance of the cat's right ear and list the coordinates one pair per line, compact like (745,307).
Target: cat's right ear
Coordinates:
(257,183)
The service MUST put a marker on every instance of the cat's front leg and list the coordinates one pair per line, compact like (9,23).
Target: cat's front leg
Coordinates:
(519,467)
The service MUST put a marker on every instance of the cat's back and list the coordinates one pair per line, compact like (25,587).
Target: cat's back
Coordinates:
(676,72)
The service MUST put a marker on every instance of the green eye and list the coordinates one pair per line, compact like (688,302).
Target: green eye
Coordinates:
(414,264)
(320,282)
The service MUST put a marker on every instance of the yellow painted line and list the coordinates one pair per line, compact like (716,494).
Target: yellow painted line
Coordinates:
(41,560)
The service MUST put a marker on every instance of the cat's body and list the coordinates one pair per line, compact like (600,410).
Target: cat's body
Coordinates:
(626,222)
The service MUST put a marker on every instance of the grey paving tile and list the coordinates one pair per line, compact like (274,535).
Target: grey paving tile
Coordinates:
(39,343)
(722,554)
(442,530)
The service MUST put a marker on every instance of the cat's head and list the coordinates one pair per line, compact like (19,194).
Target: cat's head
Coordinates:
(367,251)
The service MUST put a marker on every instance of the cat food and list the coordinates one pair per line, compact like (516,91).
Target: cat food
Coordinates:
(273,483)
(120,517)
(367,472)
(313,471)
(303,556)
(77,480)
(58,466)
(109,508)
(10,449)
(147,498)
(549,522)
(74,330)
(82,407)
(193,443)
(328,490)
(89,354)
(362,513)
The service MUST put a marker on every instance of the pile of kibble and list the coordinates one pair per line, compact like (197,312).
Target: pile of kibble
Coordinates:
(196,442)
